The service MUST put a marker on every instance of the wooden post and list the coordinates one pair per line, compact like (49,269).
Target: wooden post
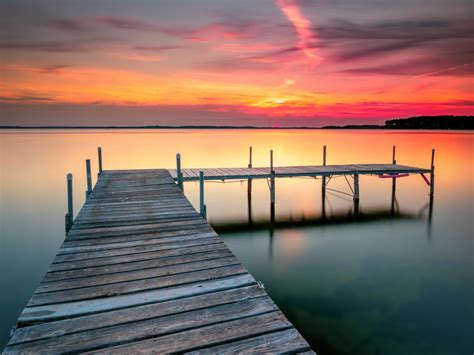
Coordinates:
(356,186)
(271,162)
(432,177)
(323,185)
(356,195)
(272,189)
(249,202)
(89,178)
(250,158)
(430,210)
(69,214)
(394,181)
(249,190)
(99,155)
(179,174)
(202,206)
(272,199)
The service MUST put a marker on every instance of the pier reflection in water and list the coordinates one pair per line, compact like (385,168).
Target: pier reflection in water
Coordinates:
(335,217)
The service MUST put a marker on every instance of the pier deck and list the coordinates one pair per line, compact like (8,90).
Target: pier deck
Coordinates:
(298,171)
(141,270)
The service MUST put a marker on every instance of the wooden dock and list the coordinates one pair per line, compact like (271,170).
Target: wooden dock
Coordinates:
(297,171)
(141,271)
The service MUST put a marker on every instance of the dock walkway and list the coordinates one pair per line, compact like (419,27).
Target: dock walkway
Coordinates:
(297,171)
(140,271)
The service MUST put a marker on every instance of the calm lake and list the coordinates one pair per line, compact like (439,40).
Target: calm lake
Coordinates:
(391,281)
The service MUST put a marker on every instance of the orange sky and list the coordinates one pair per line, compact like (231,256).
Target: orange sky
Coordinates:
(272,63)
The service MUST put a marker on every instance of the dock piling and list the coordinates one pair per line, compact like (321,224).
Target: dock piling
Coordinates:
(202,206)
(272,199)
(271,162)
(394,181)
(272,189)
(69,214)
(250,157)
(432,177)
(89,178)
(249,190)
(99,158)
(323,185)
(179,174)
(356,195)
(356,186)
(249,187)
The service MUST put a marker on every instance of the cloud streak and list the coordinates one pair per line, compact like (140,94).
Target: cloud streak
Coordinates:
(302,26)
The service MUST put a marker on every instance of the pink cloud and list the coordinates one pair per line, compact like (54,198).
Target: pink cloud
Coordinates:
(303,27)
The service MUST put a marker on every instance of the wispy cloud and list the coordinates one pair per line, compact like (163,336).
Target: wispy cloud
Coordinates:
(67,24)
(25,98)
(353,41)
(62,46)
(52,69)
(417,68)
(303,27)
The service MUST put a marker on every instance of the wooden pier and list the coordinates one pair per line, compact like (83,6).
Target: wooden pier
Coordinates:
(325,172)
(140,271)
(297,171)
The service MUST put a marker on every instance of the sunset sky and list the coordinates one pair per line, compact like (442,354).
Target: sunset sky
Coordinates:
(246,62)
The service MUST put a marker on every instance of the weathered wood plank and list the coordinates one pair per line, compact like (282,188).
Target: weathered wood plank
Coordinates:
(39,314)
(286,341)
(137,265)
(137,313)
(135,243)
(76,242)
(81,264)
(148,328)
(143,248)
(205,336)
(102,280)
(140,266)
(129,230)
(132,286)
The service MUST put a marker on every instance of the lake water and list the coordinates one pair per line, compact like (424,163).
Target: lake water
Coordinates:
(392,281)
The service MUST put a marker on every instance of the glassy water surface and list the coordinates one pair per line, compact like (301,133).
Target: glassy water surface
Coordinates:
(390,281)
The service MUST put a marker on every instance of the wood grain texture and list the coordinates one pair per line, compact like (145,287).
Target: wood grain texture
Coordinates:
(142,271)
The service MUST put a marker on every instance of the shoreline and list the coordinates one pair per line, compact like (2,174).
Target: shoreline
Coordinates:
(381,128)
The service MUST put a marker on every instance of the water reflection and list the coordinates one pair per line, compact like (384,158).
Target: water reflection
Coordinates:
(352,215)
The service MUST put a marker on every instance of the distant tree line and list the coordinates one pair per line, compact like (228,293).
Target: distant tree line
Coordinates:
(432,122)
